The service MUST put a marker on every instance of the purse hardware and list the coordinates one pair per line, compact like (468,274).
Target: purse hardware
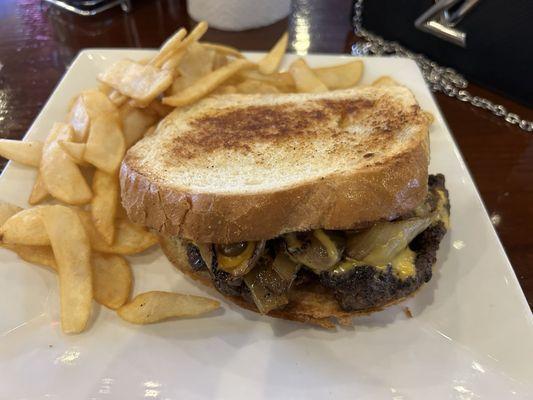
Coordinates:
(441,18)
(438,78)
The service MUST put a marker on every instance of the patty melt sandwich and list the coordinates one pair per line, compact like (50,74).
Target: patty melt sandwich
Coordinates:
(308,207)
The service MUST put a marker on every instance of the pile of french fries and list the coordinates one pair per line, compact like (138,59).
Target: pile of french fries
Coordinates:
(77,226)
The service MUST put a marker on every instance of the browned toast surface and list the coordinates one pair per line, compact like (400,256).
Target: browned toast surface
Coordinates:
(247,167)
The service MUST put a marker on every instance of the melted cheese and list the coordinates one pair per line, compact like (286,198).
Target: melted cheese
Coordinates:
(402,265)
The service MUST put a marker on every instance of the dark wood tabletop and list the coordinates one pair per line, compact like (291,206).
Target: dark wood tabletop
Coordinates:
(37,43)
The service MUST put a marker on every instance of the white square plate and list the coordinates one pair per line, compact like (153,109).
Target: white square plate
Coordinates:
(471,335)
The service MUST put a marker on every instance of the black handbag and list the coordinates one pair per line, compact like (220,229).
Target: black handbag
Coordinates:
(488,41)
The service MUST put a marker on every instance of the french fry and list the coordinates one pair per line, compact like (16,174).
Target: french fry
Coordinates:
(226,89)
(61,176)
(151,307)
(180,84)
(140,82)
(26,228)
(384,81)
(88,105)
(40,255)
(340,76)
(251,86)
(112,280)
(221,60)
(74,150)
(159,108)
(38,192)
(171,64)
(117,98)
(105,145)
(129,238)
(305,79)
(134,123)
(23,152)
(196,34)
(168,48)
(97,102)
(73,258)
(105,89)
(7,210)
(198,62)
(111,274)
(282,80)
(270,63)
(207,84)
(223,49)
(150,131)
(104,204)
(145,60)
(79,119)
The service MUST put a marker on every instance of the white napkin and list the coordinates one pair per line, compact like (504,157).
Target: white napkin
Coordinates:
(237,15)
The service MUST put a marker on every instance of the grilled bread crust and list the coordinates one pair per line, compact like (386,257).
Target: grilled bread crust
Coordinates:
(250,167)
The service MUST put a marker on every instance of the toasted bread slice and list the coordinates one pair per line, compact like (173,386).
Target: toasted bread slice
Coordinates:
(250,167)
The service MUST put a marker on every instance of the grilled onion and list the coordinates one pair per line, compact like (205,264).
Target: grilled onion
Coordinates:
(285,267)
(379,244)
(207,253)
(318,250)
(270,281)
(268,289)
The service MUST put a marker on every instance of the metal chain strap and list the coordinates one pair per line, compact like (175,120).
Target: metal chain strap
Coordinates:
(438,78)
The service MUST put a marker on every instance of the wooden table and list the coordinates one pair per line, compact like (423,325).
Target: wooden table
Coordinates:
(37,44)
